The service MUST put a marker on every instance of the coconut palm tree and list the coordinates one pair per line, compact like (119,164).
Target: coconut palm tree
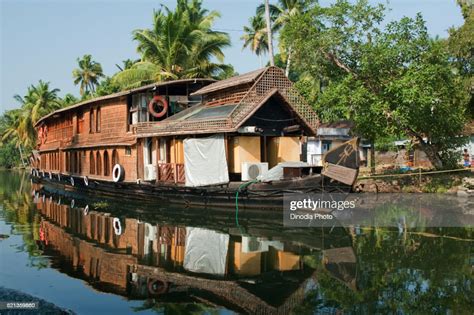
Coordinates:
(280,14)
(126,64)
(255,36)
(87,75)
(68,100)
(39,100)
(180,44)
(11,121)
(13,131)
(269,32)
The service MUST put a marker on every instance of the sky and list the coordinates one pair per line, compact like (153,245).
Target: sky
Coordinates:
(41,39)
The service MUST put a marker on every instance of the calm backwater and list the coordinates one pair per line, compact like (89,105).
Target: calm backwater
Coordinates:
(120,258)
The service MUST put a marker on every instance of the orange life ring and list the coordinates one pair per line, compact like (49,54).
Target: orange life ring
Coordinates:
(157,287)
(156,100)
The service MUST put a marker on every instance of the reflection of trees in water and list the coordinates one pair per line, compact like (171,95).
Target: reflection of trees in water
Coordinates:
(424,271)
(18,209)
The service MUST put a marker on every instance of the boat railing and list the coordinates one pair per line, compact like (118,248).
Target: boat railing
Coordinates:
(170,172)
(199,125)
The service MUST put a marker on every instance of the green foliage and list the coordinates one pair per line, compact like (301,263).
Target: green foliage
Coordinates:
(227,73)
(392,81)
(139,74)
(87,75)
(255,35)
(9,157)
(386,143)
(126,64)
(461,47)
(68,100)
(180,44)
(17,126)
(106,87)
(466,7)
(280,14)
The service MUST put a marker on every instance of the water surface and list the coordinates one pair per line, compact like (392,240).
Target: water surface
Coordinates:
(121,257)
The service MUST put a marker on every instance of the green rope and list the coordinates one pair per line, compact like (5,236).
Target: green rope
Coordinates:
(241,187)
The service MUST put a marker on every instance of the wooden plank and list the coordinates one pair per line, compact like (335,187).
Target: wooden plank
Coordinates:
(340,173)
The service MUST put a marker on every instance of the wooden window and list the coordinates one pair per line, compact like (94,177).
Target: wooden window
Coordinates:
(91,121)
(106,164)
(72,162)
(128,151)
(80,122)
(129,112)
(98,169)
(115,158)
(91,163)
(78,159)
(97,120)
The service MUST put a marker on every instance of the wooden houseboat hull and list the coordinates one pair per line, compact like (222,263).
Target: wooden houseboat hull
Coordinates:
(267,196)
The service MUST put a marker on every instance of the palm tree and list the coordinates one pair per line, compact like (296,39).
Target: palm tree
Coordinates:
(255,36)
(68,100)
(13,131)
(11,121)
(280,15)
(180,44)
(87,75)
(269,32)
(126,64)
(39,100)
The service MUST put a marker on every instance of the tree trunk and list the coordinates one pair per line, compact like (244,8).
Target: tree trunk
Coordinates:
(269,33)
(372,157)
(431,154)
(288,62)
(21,156)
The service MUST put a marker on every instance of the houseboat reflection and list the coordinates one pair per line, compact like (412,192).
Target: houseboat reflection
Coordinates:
(265,271)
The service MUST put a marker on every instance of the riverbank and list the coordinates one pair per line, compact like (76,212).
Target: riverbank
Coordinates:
(424,182)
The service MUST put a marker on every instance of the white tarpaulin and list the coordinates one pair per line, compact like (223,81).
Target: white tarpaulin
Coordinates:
(206,251)
(205,161)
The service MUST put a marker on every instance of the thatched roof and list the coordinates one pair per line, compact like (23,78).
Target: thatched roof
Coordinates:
(245,78)
(123,93)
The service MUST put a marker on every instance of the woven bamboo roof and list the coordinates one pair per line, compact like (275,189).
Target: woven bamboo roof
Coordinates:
(123,93)
(269,82)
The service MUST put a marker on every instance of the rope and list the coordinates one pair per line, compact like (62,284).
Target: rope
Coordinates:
(414,174)
(241,187)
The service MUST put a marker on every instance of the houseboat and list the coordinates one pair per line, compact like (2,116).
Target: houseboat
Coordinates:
(193,141)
